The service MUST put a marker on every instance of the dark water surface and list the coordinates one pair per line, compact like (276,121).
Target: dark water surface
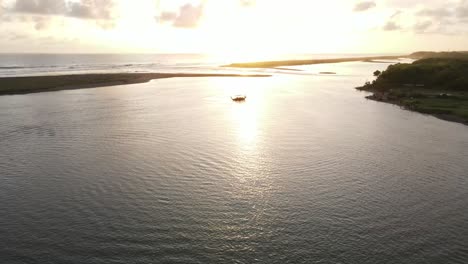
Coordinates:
(172,171)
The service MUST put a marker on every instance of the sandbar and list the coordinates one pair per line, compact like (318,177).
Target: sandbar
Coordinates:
(282,63)
(36,84)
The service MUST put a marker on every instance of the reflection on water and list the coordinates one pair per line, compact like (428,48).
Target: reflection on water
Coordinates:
(245,117)
(173,171)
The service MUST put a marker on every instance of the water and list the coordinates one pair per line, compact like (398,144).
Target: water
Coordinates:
(49,64)
(52,64)
(172,171)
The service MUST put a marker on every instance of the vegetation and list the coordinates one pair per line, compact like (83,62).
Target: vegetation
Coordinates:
(444,55)
(437,86)
(433,73)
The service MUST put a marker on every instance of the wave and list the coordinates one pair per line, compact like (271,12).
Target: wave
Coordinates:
(11,67)
(27,67)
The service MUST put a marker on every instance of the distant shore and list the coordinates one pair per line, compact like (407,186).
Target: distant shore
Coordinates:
(282,63)
(379,96)
(36,84)
(434,86)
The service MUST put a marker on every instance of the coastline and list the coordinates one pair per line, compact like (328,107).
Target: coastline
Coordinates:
(434,85)
(282,63)
(383,97)
(49,83)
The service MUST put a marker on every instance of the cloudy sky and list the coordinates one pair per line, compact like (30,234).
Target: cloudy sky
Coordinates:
(233,26)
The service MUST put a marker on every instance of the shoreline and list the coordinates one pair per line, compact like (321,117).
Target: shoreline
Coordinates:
(49,83)
(380,97)
(282,63)
(435,85)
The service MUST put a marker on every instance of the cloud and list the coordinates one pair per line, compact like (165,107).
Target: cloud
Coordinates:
(167,16)
(462,10)
(14,36)
(247,3)
(435,12)
(457,10)
(43,14)
(392,23)
(447,19)
(363,6)
(43,7)
(92,9)
(2,8)
(41,22)
(396,14)
(85,9)
(391,26)
(38,22)
(422,27)
(188,16)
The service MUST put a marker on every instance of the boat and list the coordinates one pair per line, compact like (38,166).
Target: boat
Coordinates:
(238,98)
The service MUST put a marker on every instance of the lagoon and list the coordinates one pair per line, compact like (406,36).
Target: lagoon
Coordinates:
(306,170)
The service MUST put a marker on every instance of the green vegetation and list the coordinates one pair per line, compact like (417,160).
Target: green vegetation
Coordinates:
(443,55)
(433,73)
(437,86)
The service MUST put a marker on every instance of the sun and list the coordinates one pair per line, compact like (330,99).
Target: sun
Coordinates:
(232,31)
(263,30)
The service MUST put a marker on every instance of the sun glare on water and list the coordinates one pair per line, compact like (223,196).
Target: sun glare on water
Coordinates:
(246,118)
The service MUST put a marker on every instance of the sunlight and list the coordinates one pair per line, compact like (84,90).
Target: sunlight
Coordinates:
(230,30)
(244,131)
(235,32)
(245,118)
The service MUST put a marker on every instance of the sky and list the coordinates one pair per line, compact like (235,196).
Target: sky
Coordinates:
(235,27)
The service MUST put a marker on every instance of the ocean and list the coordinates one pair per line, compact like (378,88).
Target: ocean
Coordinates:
(53,64)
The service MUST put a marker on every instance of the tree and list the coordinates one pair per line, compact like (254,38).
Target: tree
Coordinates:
(377,73)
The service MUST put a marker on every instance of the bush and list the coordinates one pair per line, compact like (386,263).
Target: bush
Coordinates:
(438,73)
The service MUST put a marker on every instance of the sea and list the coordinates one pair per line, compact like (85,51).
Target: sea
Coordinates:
(59,64)
(306,170)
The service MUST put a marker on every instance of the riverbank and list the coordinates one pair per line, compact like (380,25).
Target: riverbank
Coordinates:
(436,86)
(36,84)
(282,63)
(441,104)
